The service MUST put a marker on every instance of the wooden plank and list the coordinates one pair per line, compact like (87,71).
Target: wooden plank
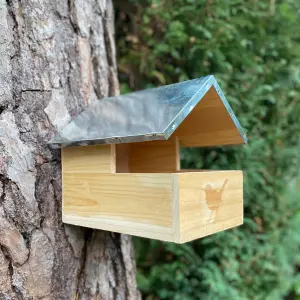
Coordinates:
(122,158)
(209,202)
(177,153)
(154,156)
(89,159)
(209,124)
(136,204)
(176,209)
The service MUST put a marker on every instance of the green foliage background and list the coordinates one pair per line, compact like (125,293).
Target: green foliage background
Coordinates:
(253,49)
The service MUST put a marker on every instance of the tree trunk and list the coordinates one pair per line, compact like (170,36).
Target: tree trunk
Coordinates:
(56,56)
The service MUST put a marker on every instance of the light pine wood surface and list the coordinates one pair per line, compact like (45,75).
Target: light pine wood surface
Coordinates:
(154,156)
(176,207)
(209,202)
(89,159)
(209,124)
(136,204)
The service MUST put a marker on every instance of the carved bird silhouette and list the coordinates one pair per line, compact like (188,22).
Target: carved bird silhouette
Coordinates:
(213,197)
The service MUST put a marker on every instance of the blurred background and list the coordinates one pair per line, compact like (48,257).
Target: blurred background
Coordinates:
(253,49)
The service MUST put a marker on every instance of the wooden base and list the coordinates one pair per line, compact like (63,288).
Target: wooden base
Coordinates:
(176,207)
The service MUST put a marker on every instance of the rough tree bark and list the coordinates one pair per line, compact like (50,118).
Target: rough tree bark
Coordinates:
(56,56)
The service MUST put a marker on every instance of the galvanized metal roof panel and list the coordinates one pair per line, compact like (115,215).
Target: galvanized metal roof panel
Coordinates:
(152,114)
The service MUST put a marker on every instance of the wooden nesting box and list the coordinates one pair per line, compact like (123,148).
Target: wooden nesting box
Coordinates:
(121,164)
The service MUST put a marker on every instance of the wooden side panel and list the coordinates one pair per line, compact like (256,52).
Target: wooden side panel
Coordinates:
(136,204)
(209,202)
(89,159)
(154,156)
(209,124)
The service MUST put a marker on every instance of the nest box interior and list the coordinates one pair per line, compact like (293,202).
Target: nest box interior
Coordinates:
(121,164)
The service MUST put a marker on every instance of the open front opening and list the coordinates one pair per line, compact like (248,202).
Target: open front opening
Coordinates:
(148,157)
(164,157)
(153,157)
(143,157)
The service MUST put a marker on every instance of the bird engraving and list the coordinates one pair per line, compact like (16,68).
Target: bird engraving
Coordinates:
(213,199)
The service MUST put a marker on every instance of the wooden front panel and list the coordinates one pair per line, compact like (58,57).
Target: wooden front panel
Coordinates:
(209,124)
(89,159)
(209,202)
(137,204)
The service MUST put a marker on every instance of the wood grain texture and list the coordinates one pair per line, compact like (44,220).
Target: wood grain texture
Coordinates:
(209,124)
(154,156)
(136,204)
(209,202)
(176,207)
(89,159)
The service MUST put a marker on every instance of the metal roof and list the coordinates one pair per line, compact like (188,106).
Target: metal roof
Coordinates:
(152,114)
